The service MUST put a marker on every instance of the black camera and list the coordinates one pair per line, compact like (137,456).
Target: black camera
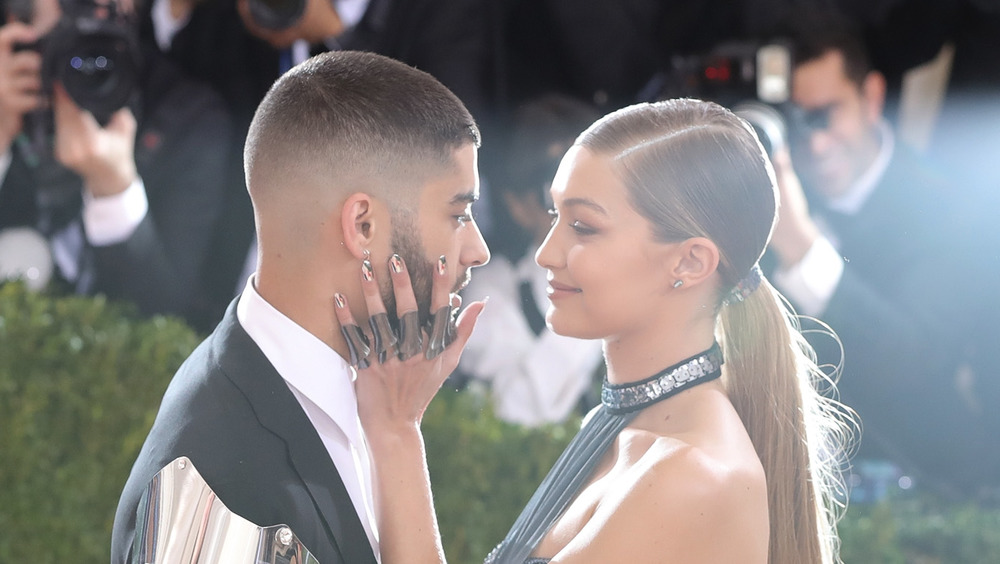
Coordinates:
(752,79)
(276,14)
(92,52)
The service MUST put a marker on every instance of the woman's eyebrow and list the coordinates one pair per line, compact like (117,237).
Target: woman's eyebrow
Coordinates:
(585,202)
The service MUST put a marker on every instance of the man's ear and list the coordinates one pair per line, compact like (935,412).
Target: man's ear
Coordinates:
(358,223)
(693,261)
(874,87)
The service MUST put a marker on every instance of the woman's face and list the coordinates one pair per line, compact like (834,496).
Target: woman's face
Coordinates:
(605,270)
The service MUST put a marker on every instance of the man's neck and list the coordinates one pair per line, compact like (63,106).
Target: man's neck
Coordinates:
(852,200)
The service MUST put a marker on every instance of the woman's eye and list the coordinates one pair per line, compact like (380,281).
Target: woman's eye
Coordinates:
(582,228)
(463,219)
(553,215)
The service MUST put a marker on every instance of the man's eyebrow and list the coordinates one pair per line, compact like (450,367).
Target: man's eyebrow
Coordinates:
(585,202)
(465,198)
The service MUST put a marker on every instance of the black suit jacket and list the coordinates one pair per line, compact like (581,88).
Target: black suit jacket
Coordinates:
(232,414)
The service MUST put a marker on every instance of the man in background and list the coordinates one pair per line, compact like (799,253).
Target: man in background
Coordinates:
(871,242)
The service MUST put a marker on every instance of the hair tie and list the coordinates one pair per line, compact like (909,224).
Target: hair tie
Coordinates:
(746,286)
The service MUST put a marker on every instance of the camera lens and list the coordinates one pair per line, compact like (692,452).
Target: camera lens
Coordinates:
(276,14)
(98,66)
(767,122)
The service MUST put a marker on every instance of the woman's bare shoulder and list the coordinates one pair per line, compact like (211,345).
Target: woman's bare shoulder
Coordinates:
(674,506)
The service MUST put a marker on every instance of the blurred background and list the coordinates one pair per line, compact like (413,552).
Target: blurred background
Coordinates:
(125,230)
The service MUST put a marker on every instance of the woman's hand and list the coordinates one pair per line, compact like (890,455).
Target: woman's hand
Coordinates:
(398,375)
(393,391)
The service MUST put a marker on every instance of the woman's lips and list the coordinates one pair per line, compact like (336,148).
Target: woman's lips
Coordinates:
(557,290)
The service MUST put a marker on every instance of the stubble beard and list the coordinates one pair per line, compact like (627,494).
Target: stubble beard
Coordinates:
(408,244)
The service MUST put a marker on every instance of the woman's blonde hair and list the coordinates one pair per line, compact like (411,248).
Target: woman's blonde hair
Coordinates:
(695,169)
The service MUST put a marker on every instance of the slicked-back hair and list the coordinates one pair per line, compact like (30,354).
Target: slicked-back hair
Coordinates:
(357,115)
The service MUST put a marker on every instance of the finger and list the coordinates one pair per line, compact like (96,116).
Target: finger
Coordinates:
(123,123)
(463,331)
(65,109)
(16,33)
(441,331)
(370,288)
(441,287)
(22,101)
(357,344)
(24,83)
(383,337)
(411,336)
(402,286)
(342,311)
(24,62)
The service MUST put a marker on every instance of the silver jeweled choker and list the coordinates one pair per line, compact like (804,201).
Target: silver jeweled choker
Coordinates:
(626,398)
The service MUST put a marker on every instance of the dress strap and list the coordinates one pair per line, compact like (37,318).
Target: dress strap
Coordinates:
(570,472)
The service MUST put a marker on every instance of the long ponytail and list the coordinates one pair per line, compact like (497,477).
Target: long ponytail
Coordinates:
(774,385)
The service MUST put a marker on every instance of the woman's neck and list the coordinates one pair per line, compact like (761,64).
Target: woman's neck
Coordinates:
(634,357)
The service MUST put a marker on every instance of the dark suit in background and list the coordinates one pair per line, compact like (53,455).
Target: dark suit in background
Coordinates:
(183,128)
(231,413)
(903,311)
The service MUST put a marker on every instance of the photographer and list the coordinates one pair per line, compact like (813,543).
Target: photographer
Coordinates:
(127,208)
(870,240)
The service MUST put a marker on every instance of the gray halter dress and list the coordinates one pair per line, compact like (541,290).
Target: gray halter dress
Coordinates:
(620,405)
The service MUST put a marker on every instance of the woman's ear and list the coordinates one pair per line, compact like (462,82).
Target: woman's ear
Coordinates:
(694,261)
(357,220)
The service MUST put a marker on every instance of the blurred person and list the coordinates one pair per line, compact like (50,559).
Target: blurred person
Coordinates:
(223,43)
(604,53)
(709,420)
(872,241)
(356,164)
(966,133)
(128,206)
(534,376)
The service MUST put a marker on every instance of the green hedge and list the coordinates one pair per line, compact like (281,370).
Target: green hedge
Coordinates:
(81,379)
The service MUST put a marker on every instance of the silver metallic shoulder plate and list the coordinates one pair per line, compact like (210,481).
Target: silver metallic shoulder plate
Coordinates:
(180,520)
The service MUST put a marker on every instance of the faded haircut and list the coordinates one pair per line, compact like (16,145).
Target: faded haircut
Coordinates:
(355,116)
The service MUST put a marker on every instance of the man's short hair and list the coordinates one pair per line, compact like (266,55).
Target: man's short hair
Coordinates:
(814,32)
(355,115)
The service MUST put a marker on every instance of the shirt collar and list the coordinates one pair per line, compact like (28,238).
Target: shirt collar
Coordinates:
(854,199)
(307,364)
(350,12)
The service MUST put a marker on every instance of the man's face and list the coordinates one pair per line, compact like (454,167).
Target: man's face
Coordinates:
(443,225)
(841,138)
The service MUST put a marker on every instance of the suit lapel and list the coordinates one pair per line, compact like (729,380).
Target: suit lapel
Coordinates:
(277,409)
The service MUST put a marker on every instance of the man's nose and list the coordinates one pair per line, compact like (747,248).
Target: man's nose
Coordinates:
(820,141)
(475,252)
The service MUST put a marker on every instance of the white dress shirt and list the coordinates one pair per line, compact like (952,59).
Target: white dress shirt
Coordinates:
(811,282)
(534,379)
(323,384)
(107,220)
